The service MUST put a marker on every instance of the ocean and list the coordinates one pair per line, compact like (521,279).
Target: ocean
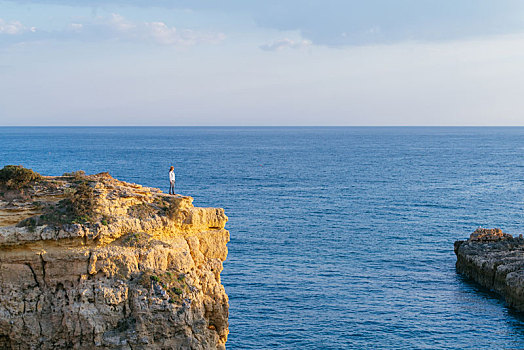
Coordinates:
(341,238)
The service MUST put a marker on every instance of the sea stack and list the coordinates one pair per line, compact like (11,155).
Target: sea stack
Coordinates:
(495,260)
(91,262)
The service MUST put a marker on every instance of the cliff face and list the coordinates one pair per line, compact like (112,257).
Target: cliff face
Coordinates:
(91,262)
(494,260)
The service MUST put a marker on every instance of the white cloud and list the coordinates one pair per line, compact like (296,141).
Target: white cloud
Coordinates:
(161,33)
(76,26)
(115,27)
(120,24)
(324,21)
(14,27)
(118,27)
(286,44)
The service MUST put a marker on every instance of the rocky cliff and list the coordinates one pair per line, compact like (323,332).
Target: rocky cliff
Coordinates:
(90,262)
(494,260)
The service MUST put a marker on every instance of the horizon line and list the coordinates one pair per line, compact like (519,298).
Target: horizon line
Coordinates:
(261,126)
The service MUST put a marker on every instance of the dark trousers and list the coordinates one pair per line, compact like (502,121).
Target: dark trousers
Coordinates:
(171,187)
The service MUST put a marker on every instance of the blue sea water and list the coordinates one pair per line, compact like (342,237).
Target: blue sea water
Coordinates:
(341,238)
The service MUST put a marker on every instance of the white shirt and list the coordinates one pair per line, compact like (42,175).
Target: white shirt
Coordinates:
(172,175)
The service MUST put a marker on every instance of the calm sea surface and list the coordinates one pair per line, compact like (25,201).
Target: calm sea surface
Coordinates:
(341,238)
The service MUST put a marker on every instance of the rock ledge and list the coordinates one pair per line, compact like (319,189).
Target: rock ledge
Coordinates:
(495,260)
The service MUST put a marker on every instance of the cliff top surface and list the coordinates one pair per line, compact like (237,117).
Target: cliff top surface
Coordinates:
(485,240)
(93,207)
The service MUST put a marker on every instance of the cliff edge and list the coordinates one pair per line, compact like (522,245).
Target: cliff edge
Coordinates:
(495,260)
(91,262)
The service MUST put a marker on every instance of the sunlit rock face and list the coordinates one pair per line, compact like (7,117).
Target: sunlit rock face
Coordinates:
(495,260)
(91,262)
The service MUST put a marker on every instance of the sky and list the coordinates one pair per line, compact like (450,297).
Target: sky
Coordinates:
(271,62)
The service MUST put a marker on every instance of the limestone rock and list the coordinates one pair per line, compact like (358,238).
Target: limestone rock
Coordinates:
(90,262)
(495,260)
(489,235)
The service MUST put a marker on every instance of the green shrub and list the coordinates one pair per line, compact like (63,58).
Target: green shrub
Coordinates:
(137,240)
(17,177)
(162,204)
(83,202)
(30,223)
(79,207)
(169,281)
(79,175)
(141,211)
(58,214)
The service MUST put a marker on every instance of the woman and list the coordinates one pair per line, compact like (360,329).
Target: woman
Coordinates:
(172,180)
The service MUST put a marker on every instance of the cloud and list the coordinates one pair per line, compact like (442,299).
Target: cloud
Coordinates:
(118,22)
(354,22)
(165,35)
(14,28)
(116,28)
(286,43)
(157,32)
(76,26)
(120,28)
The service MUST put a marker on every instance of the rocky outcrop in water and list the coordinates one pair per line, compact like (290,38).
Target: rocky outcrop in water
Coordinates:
(90,262)
(495,260)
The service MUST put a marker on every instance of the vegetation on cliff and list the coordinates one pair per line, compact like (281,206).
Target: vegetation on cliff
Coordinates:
(17,177)
(78,198)
(79,204)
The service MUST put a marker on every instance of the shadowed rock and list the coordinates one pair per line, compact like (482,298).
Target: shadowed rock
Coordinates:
(495,260)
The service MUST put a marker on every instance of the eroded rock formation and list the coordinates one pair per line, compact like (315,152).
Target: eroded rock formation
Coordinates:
(91,262)
(495,260)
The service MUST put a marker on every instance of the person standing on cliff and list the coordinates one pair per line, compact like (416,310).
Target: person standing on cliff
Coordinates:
(172,180)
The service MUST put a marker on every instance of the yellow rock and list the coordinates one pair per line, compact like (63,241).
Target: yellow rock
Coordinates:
(141,269)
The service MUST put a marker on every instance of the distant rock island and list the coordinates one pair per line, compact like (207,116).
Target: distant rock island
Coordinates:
(495,260)
(91,262)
